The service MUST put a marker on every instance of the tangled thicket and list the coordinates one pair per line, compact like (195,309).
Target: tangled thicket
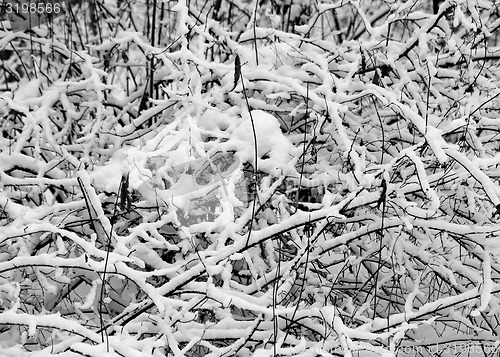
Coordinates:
(373,232)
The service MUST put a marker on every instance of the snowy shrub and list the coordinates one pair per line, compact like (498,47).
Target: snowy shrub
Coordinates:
(251,179)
